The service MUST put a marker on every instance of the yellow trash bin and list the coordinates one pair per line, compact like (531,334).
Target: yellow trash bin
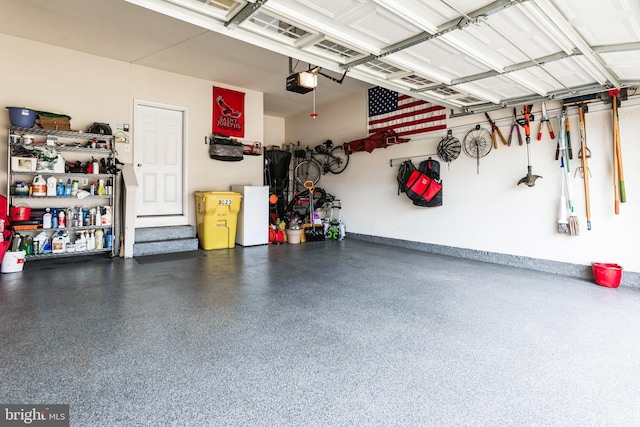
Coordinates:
(217,218)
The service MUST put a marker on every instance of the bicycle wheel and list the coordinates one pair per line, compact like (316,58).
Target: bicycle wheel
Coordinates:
(307,170)
(338,160)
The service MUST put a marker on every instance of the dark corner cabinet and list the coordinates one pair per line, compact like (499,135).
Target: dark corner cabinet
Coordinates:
(85,191)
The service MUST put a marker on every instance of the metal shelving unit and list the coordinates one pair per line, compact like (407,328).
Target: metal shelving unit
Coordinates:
(77,143)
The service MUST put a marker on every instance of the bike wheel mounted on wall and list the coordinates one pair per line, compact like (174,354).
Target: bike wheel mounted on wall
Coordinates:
(307,171)
(338,160)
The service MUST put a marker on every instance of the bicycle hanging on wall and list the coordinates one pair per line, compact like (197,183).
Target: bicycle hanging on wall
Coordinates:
(322,159)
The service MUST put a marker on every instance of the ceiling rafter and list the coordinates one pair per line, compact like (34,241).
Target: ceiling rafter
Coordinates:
(452,25)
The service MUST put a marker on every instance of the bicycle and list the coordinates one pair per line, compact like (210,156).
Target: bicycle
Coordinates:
(322,159)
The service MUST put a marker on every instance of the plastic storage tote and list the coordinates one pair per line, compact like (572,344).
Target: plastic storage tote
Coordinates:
(13,262)
(217,218)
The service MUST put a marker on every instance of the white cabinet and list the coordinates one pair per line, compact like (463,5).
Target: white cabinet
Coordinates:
(85,208)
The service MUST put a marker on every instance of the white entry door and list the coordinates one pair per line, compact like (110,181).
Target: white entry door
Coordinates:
(158,160)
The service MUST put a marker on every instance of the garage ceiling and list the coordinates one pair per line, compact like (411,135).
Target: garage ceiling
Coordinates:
(469,55)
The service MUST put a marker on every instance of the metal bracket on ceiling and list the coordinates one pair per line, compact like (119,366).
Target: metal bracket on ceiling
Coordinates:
(515,102)
(317,70)
(244,13)
(339,81)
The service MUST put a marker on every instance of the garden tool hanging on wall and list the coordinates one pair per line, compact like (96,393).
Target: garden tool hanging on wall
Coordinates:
(584,156)
(545,118)
(572,222)
(515,126)
(569,150)
(530,179)
(563,221)
(619,189)
(495,129)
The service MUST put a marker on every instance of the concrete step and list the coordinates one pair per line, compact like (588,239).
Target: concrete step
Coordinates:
(164,240)
(165,247)
(155,234)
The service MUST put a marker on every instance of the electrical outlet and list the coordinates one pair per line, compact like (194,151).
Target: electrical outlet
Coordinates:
(125,127)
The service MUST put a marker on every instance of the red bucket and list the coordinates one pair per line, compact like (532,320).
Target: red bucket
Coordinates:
(20,213)
(608,275)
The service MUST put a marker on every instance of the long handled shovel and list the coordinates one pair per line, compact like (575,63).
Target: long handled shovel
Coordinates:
(618,173)
(585,163)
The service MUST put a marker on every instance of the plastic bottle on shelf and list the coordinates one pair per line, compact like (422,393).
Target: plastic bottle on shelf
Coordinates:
(75,217)
(86,219)
(74,188)
(58,243)
(61,219)
(51,186)
(98,215)
(81,242)
(102,191)
(54,218)
(67,188)
(46,219)
(99,238)
(107,239)
(60,189)
(91,241)
(106,218)
(39,186)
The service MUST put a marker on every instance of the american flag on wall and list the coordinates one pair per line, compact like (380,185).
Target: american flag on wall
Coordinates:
(402,113)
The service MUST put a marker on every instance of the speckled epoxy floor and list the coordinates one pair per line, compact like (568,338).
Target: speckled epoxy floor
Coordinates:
(320,334)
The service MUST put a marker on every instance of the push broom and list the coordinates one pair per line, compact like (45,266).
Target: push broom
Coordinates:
(563,223)
(572,224)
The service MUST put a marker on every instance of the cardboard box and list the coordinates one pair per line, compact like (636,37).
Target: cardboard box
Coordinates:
(54,123)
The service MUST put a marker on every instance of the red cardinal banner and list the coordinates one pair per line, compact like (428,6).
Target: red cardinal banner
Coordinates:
(228,112)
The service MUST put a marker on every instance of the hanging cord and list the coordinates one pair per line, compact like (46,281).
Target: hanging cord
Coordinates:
(314,114)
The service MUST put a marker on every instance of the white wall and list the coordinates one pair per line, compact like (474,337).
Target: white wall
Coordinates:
(95,89)
(273,131)
(489,211)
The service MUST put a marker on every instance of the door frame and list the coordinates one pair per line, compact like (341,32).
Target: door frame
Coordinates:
(165,220)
